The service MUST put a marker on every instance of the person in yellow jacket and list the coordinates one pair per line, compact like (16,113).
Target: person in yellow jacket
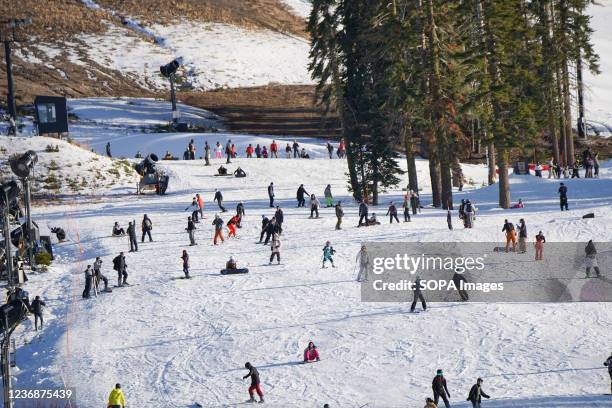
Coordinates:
(116,399)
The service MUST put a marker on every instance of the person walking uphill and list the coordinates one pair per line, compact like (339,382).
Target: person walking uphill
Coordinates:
(191,231)
(255,383)
(271,194)
(219,199)
(146,226)
(563,197)
(131,230)
(218,223)
(476,394)
(37,310)
(329,198)
(116,399)
(339,215)
(392,213)
(440,390)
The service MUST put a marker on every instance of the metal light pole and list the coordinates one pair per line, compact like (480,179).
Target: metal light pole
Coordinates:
(6,231)
(6,366)
(22,166)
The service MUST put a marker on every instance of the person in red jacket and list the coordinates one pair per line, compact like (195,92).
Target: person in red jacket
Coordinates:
(274,149)
(440,390)
(249,151)
(231,225)
(310,353)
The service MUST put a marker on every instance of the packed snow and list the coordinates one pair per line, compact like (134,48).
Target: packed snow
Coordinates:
(173,342)
(301,8)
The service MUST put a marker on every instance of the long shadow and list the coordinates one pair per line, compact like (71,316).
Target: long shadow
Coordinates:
(562,370)
(291,286)
(553,401)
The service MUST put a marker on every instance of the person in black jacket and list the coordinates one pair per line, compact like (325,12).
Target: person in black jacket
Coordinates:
(37,307)
(476,394)
(339,215)
(458,280)
(607,363)
(417,295)
(88,281)
(563,197)
(219,199)
(147,226)
(522,233)
(271,228)
(264,223)
(301,193)
(271,194)
(131,230)
(363,213)
(440,390)
(280,218)
(392,213)
(121,267)
(255,383)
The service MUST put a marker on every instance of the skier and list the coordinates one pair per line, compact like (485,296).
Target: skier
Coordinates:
(476,394)
(191,231)
(275,247)
(185,258)
(131,230)
(274,149)
(607,363)
(440,390)
(591,259)
(219,199)
(200,203)
(280,218)
(328,252)
(271,194)
(363,213)
(314,206)
(146,226)
(330,150)
(339,215)
(539,246)
(301,191)
(406,207)
(116,399)
(362,261)
(228,151)
(510,235)
(563,196)
(255,383)
(206,154)
(97,267)
(522,228)
(218,223)
(392,213)
(449,220)
(341,149)
(264,223)
(417,295)
(310,353)
(121,267)
(329,199)
(37,308)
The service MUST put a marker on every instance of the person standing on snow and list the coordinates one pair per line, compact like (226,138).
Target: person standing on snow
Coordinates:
(192,149)
(417,295)
(228,151)
(108,150)
(264,223)
(414,201)
(563,197)
(449,219)
(339,215)
(219,199)
(200,203)
(539,246)
(469,213)
(522,233)
(218,223)
(301,192)
(116,399)
(185,258)
(258,151)
(275,247)
(362,261)
(406,207)
(329,199)
(146,226)
(206,154)
(240,212)
(249,151)
(392,213)
(255,383)
(591,259)
(194,207)
(231,226)
(330,150)
(510,235)
(363,213)
(131,230)
(274,149)
(607,363)
(296,149)
(98,276)
(288,151)
(218,151)
(280,218)
(440,390)
(476,394)
(271,228)
(191,231)
(271,194)
(121,267)
(328,252)
(37,310)
(314,206)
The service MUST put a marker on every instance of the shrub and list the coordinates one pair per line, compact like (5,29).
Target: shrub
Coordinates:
(43,258)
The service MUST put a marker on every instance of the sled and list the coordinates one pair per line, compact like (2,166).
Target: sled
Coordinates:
(234,271)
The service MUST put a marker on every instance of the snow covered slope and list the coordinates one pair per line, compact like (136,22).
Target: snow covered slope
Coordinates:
(171,342)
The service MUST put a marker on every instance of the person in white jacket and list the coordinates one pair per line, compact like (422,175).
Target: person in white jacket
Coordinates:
(314,206)
(362,262)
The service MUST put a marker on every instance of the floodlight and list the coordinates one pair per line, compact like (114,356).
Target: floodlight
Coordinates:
(22,165)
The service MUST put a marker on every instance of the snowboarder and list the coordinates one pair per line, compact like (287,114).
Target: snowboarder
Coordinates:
(510,235)
(264,152)
(264,222)
(563,196)
(406,207)
(328,252)
(206,154)
(539,246)
(191,231)
(231,264)
(117,230)
(329,199)
(363,213)
(275,247)
(522,233)
(97,267)
(591,259)
(218,223)
(314,206)
(185,258)
(218,151)
(108,150)
(255,383)
(339,215)
(362,261)
(476,394)
(116,399)
(440,390)
(37,310)
(417,295)
(310,353)
(219,199)
(301,192)
(147,226)
(239,173)
(271,194)
(607,363)
(121,267)
(88,281)
(392,213)
(131,230)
